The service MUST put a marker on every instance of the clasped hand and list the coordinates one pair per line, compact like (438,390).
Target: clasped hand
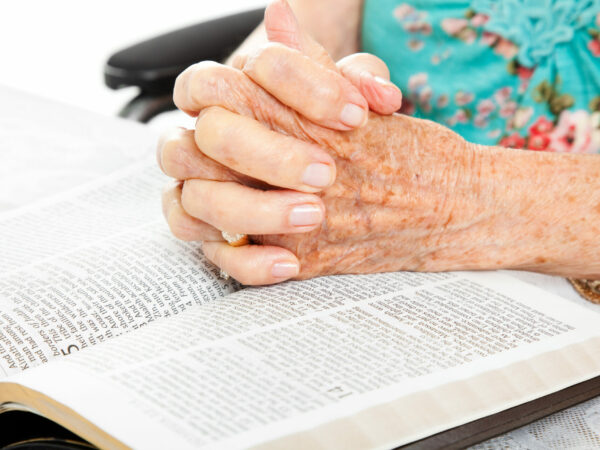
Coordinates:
(307,157)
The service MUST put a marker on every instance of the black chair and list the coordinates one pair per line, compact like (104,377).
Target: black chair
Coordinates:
(153,65)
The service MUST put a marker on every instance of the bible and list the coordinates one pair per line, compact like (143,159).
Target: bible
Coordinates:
(127,338)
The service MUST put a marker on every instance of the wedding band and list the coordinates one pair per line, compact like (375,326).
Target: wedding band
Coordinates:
(235,239)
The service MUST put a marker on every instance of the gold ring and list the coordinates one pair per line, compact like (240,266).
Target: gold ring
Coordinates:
(235,239)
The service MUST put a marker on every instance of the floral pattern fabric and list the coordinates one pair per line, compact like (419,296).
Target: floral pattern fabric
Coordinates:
(517,73)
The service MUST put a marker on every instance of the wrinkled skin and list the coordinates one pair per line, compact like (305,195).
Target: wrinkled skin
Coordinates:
(409,194)
(390,206)
(403,185)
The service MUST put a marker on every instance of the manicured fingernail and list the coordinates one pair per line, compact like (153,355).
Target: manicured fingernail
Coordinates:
(305,215)
(285,270)
(353,115)
(317,175)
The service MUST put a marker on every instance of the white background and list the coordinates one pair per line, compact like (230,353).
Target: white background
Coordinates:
(57,49)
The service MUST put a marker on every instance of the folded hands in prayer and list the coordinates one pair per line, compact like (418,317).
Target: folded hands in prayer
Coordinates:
(307,157)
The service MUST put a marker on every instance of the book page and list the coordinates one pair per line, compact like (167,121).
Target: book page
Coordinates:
(83,267)
(48,147)
(270,362)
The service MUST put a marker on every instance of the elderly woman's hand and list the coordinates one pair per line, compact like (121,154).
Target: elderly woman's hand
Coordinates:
(282,121)
(409,194)
(333,96)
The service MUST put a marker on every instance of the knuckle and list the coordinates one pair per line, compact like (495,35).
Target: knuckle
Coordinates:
(208,80)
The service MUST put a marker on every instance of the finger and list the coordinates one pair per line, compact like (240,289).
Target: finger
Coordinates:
(253,264)
(241,209)
(281,25)
(248,147)
(321,95)
(370,75)
(209,84)
(212,84)
(182,225)
(179,157)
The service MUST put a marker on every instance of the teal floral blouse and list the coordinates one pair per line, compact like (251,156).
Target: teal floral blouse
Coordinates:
(518,73)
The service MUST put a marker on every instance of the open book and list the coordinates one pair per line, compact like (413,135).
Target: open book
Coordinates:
(120,333)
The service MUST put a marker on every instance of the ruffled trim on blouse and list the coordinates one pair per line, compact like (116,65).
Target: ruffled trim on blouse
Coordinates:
(537,26)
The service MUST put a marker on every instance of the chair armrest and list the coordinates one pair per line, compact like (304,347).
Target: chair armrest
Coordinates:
(154,64)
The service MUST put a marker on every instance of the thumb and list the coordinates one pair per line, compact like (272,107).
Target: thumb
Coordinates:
(282,26)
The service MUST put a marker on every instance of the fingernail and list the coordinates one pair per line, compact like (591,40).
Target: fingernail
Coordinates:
(353,115)
(317,175)
(285,270)
(305,215)
(384,82)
